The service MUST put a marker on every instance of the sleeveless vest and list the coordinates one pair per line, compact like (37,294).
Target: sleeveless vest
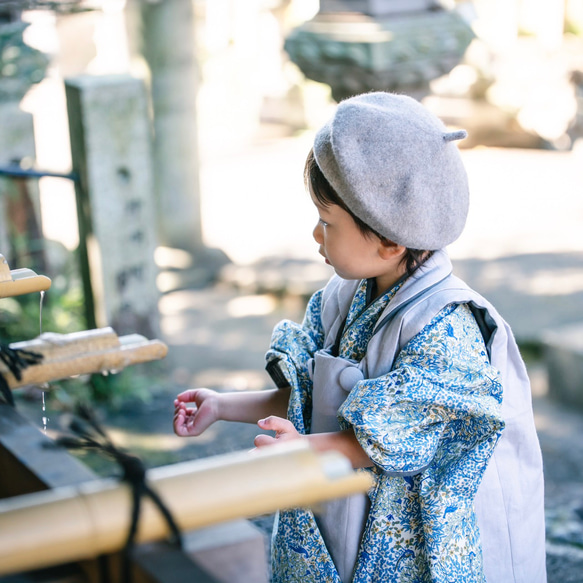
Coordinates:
(510,500)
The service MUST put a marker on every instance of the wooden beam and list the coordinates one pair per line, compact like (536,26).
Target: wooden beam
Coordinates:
(94,517)
(85,352)
(17,282)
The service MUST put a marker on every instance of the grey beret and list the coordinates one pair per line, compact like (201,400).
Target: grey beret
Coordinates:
(396,167)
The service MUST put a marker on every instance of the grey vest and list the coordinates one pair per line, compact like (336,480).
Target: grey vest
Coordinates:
(510,500)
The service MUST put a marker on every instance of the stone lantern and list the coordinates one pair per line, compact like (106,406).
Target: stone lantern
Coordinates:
(356,46)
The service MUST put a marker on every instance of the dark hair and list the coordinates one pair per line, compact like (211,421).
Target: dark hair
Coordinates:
(318,185)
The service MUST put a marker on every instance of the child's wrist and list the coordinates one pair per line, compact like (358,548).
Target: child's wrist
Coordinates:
(221,407)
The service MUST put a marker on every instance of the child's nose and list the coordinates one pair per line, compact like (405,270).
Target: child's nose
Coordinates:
(317,233)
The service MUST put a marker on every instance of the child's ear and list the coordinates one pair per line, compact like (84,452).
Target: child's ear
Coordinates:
(389,249)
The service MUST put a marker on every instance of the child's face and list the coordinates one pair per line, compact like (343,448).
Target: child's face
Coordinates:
(352,254)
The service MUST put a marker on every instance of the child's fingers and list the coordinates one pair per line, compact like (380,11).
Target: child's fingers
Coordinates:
(264,440)
(202,419)
(178,406)
(194,412)
(186,396)
(180,424)
(183,422)
(182,414)
(182,410)
(278,424)
(284,431)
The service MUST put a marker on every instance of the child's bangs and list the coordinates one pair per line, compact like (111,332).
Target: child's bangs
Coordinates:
(317,184)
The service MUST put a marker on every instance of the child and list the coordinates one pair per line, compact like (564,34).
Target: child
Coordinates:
(403,368)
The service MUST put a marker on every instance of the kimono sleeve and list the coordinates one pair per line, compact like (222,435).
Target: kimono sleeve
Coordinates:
(291,349)
(442,392)
(293,345)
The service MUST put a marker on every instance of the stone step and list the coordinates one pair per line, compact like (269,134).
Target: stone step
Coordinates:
(563,356)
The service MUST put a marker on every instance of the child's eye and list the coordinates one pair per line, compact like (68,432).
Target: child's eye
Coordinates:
(323,222)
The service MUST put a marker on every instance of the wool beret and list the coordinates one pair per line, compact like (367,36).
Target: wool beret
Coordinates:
(397,168)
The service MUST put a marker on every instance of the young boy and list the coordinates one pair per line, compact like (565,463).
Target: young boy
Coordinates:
(403,368)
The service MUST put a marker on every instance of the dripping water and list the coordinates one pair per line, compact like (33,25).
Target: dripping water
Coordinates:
(45,419)
(45,386)
(40,312)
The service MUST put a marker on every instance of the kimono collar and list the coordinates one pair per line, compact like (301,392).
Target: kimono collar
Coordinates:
(339,293)
(431,273)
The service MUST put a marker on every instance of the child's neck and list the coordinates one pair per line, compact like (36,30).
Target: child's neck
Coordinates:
(386,281)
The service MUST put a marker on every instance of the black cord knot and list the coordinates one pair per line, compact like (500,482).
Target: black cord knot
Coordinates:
(89,435)
(134,470)
(16,360)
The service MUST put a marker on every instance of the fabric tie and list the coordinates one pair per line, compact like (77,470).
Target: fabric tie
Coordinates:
(88,435)
(16,360)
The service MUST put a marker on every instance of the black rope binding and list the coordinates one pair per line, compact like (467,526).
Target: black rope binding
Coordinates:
(88,435)
(16,360)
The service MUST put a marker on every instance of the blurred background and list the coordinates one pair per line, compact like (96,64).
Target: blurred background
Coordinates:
(151,164)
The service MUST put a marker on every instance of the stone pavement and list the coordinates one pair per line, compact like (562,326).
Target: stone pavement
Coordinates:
(522,248)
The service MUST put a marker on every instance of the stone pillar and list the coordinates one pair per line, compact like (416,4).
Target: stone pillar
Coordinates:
(563,356)
(16,144)
(111,153)
(357,46)
(166,34)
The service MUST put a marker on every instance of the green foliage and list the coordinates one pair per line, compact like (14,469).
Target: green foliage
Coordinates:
(138,382)
(20,317)
(112,391)
(574,27)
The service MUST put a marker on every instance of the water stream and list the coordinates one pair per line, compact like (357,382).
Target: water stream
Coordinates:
(45,386)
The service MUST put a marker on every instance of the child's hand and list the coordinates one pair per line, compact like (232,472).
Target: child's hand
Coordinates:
(192,421)
(284,431)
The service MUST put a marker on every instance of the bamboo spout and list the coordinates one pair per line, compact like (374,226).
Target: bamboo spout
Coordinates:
(86,352)
(94,517)
(17,282)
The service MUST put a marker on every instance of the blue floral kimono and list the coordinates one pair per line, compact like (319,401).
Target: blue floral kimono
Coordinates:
(429,423)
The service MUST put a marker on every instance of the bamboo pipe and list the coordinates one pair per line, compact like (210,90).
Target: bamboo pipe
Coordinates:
(17,282)
(85,352)
(80,522)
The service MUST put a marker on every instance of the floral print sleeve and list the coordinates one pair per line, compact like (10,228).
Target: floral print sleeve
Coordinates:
(441,390)
(292,347)
(430,426)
